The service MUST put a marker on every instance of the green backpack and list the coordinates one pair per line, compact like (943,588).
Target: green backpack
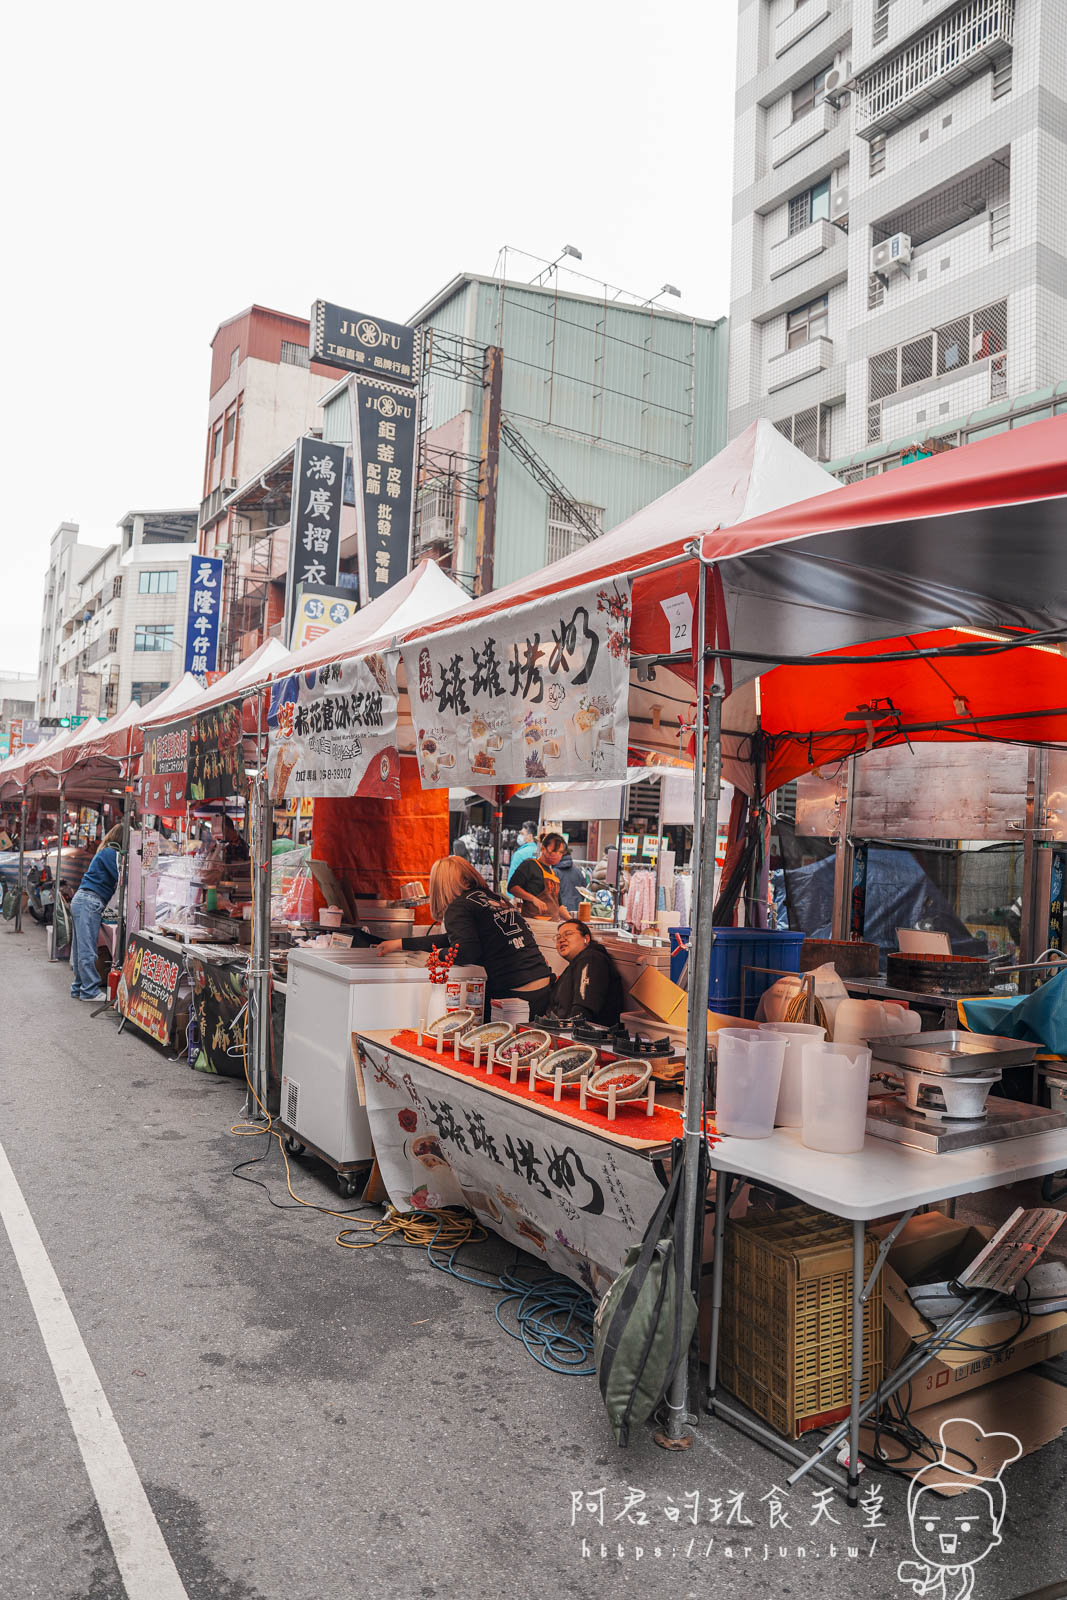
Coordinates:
(645,1323)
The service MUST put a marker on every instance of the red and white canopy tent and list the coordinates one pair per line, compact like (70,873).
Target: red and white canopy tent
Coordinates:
(956,547)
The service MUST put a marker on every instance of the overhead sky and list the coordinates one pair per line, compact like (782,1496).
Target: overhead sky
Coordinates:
(168,166)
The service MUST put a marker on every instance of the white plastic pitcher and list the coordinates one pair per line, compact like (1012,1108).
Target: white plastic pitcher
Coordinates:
(748,1077)
(836,1081)
(790,1113)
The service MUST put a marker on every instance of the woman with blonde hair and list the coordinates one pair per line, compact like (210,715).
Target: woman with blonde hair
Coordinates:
(487,931)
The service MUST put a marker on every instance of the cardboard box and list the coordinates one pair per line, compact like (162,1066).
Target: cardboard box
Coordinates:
(670,1004)
(931,1246)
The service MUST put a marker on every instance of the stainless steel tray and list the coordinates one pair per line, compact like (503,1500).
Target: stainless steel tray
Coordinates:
(953,1052)
(1004,1119)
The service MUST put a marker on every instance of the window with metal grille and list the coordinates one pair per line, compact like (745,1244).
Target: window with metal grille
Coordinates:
(876,157)
(806,323)
(153,636)
(809,95)
(806,431)
(882,374)
(231,422)
(235,356)
(875,291)
(989,330)
(952,344)
(116,588)
(294,355)
(111,697)
(880,25)
(112,638)
(217,446)
(874,424)
(998,378)
(917,360)
(811,205)
(785,428)
(158,582)
(564,534)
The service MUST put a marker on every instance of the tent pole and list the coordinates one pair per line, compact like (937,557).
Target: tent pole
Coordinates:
(59,862)
(707,756)
(22,859)
(623,794)
(498,839)
(259,963)
(124,880)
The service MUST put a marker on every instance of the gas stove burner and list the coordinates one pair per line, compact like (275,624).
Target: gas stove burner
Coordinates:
(592,1033)
(639,1047)
(949,1099)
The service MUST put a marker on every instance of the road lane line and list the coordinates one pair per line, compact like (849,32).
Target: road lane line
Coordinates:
(140,1549)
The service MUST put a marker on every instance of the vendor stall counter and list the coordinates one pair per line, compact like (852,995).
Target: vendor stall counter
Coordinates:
(332,994)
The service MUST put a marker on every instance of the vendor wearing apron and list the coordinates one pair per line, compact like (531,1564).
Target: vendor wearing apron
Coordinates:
(536,881)
(486,931)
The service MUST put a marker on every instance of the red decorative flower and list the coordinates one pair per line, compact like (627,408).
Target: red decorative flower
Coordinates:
(407,1119)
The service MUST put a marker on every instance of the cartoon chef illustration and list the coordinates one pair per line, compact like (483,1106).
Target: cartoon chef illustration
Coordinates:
(956,1508)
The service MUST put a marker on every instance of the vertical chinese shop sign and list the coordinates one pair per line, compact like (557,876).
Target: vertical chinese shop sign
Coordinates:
(202,622)
(385,444)
(315,520)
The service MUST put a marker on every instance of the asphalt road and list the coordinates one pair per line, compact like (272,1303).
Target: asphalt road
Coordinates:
(311,1423)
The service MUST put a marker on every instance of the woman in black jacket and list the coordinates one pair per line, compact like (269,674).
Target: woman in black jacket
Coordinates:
(488,931)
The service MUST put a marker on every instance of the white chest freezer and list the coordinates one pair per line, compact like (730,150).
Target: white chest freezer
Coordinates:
(332,994)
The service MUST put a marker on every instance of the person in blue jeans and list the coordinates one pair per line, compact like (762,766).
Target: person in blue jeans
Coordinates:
(86,909)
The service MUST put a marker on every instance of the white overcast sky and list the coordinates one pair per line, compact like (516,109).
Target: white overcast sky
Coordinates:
(168,166)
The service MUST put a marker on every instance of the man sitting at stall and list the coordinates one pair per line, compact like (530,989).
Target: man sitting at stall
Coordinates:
(536,882)
(590,986)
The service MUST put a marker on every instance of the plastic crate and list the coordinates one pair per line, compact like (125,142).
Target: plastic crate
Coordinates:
(734,949)
(786,1337)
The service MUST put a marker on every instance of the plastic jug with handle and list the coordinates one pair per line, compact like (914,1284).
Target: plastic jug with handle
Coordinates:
(836,1084)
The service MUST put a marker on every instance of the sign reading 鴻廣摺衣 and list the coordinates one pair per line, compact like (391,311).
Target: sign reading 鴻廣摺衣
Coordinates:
(350,339)
(148,989)
(202,623)
(315,520)
(333,731)
(536,692)
(384,448)
(164,769)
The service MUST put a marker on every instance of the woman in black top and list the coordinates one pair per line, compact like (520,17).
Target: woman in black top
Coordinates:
(590,987)
(488,931)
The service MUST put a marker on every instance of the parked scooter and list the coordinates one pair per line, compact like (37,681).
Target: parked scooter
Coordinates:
(40,892)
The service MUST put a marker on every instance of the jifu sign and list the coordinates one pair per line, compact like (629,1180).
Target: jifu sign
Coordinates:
(351,339)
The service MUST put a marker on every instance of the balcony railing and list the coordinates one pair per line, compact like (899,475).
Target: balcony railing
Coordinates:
(804,131)
(798,23)
(976,36)
(803,362)
(803,246)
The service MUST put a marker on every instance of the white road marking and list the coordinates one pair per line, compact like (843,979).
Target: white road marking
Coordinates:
(140,1549)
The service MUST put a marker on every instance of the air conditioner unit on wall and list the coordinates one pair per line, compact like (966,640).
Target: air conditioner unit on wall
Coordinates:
(839,206)
(892,254)
(838,75)
(228,485)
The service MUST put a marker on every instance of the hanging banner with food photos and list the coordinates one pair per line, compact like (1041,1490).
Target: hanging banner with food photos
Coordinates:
(536,692)
(216,757)
(164,769)
(333,732)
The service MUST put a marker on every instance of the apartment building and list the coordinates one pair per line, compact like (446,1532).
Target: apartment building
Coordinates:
(120,634)
(899,233)
(68,562)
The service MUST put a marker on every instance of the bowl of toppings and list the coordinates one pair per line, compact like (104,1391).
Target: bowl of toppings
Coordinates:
(485,1036)
(572,1063)
(630,1082)
(525,1047)
(452,1022)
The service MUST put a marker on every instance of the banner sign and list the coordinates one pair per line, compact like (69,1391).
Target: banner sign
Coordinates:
(537,692)
(14,729)
(333,732)
(344,338)
(164,769)
(148,989)
(569,1198)
(31,732)
(316,611)
(385,446)
(202,622)
(216,758)
(314,520)
(220,992)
